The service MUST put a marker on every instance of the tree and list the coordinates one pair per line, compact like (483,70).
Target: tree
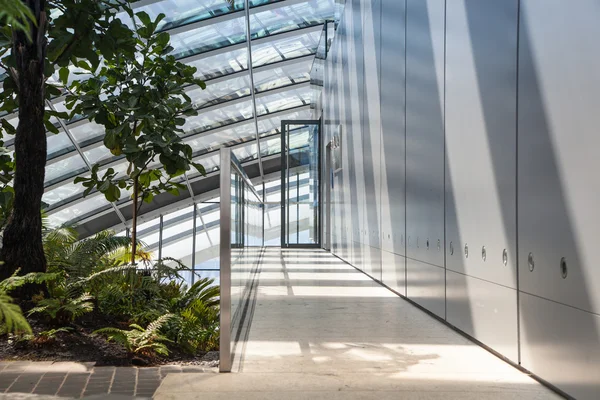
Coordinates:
(81,30)
(140,98)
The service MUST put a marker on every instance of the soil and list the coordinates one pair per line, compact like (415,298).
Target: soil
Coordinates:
(79,345)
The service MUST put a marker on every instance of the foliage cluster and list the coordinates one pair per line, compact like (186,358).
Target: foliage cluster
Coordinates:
(153,309)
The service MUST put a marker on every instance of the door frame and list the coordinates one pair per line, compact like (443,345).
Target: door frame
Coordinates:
(284,188)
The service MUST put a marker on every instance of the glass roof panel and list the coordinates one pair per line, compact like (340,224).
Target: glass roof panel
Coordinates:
(282,75)
(284,100)
(98,154)
(214,118)
(286,18)
(213,141)
(283,49)
(183,12)
(246,153)
(220,91)
(70,190)
(58,144)
(68,167)
(239,86)
(86,132)
(63,192)
(78,210)
(214,36)
(218,65)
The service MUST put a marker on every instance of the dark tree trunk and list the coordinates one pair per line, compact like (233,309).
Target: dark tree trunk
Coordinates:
(22,240)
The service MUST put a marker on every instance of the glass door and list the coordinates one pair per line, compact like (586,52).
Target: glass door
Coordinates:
(300,183)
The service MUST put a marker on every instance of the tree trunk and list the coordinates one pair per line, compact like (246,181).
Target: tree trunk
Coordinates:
(22,240)
(134,220)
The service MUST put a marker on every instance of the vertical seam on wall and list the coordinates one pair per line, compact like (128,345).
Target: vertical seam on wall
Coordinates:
(381,158)
(405,133)
(445,156)
(517,182)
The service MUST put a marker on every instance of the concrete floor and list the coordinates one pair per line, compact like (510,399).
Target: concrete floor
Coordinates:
(322,330)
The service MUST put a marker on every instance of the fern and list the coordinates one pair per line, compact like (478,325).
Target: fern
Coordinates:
(138,340)
(11,316)
(63,310)
(53,332)
(106,273)
(14,282)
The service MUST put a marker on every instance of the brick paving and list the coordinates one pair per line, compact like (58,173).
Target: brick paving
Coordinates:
(83,380)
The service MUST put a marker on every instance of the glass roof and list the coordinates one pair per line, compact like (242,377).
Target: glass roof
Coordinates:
(211,36)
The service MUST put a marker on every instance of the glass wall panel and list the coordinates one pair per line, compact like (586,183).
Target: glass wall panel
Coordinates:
(273,213)
(178,236)
(242,208)
(300,183)
(206,263)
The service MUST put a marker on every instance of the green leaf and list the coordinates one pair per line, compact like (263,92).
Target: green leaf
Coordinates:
(63,74)
(50,127)
(162,39)
(200,83)
(52,90)
(148,197)
(58,45)
(113,193)
(144,18)
(199,168)
(7,127)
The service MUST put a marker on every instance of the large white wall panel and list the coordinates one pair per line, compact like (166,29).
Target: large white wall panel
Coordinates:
(353,133)
(484,310)
(559,189)
(371,134)
(392,155)
(559,192)
(425,152)
(561,345)
(481,86)
(425,129)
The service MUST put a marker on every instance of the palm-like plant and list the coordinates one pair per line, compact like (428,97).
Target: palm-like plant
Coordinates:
(196,326)
(203,290)
(141,341)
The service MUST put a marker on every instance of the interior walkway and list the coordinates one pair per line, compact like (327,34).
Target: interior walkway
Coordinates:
(323,330)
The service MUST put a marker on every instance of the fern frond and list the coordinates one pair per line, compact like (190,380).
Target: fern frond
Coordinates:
(14,282)
(11,315)
(105,272)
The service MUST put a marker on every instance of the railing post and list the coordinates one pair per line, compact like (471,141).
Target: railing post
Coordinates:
(225,263)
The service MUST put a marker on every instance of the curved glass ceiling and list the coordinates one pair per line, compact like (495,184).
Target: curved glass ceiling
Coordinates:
(210,35)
